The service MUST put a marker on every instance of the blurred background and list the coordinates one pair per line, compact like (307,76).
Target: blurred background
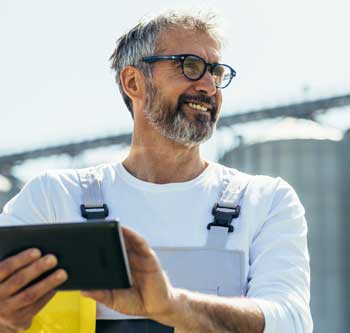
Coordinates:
(286,114)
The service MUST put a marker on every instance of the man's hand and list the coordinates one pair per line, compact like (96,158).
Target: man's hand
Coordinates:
(151,294)
(18,305)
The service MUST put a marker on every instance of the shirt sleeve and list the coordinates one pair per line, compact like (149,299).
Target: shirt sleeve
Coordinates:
(31,205)
(279,277)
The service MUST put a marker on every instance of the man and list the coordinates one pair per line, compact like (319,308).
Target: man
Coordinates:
(169,73)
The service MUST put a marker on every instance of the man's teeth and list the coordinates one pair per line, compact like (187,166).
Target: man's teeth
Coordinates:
(197,107)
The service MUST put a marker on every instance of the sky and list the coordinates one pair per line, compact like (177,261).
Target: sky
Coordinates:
(56,85)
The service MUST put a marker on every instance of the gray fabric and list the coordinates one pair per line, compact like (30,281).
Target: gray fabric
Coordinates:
(217,237)
(91,186)
(233,191)
(210,271)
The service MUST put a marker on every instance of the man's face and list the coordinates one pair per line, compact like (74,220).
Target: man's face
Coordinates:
(175,105)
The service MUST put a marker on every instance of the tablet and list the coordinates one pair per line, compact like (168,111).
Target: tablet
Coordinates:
(92,253)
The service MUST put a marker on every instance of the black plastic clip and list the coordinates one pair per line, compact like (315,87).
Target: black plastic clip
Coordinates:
(223,216)
(94,212)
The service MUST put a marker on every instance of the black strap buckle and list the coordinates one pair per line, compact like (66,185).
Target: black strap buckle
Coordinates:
(94,212)
(223,216)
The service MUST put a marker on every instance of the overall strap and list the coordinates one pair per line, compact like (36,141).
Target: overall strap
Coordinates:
(226,209)
(93,206)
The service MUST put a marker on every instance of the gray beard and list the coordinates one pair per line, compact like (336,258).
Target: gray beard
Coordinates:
(172,122)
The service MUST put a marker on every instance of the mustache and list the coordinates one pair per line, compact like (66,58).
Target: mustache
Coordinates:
(201,99)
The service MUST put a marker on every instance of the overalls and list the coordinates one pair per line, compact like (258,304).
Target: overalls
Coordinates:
(210,269)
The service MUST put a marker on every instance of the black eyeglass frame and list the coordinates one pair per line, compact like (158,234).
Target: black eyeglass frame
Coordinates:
(182,57)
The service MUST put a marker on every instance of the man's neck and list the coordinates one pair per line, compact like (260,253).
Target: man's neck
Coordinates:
(161,164)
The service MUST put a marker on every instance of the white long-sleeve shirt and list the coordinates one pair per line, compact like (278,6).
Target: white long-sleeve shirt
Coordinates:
(271,229)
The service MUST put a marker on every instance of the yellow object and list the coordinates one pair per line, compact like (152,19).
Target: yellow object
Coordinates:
(67,312)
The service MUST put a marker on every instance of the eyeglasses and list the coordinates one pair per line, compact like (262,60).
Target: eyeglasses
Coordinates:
(194,67)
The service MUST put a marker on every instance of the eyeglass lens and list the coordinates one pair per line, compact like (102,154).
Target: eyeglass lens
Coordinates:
(194,67)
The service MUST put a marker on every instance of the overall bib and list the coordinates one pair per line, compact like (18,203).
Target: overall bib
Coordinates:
(211,269)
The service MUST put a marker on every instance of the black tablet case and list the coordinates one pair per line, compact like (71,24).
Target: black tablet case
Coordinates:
(92,253)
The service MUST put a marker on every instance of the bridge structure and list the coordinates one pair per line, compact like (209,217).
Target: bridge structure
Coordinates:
(307,109)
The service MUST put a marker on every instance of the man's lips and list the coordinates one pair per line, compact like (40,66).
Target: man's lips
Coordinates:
(203,101)
(205,115)
(187,107)
(194,104)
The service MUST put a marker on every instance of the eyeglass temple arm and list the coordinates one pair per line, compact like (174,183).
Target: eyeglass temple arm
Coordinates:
(157,58)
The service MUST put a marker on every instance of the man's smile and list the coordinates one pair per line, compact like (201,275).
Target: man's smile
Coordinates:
(197,106)
(193,109)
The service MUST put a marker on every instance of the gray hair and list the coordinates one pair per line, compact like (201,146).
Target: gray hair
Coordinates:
(143,40)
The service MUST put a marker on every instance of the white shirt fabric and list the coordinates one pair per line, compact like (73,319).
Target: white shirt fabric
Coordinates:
(271,229)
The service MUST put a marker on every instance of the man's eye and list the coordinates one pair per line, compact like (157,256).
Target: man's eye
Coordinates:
(192,64)
(193,67)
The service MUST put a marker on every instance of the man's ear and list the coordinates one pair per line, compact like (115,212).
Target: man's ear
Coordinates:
(133,83)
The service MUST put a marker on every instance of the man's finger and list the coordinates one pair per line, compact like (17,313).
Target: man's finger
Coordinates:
(16,262)
(135,242)
(141,257)
(33,294)
(26,314)
(24,276)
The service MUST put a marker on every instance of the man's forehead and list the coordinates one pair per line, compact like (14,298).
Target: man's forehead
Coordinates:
(179,40)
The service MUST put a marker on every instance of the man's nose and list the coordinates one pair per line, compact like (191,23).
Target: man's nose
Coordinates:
(206,84)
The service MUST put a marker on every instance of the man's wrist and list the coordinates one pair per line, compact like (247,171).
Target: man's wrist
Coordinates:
(195,312)
(176,313)
(184,314)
